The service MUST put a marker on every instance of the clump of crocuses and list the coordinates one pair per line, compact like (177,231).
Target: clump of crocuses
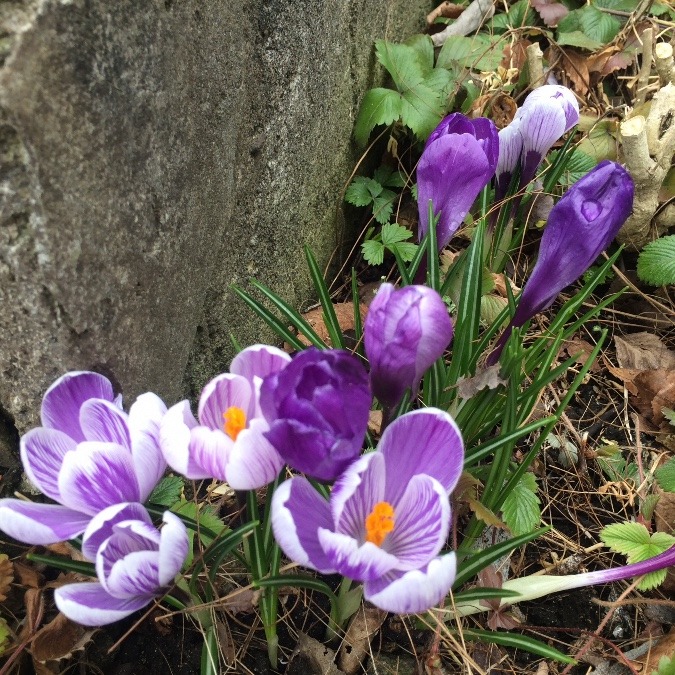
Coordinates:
(87,455)
(228,442)
(580,227)
(459,159)
(388,516)
(135,563)
(404,333)
(317,408)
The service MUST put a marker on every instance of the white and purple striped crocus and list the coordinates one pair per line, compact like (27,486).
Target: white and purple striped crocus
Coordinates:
(388,516)
(228,441)
(135,563)
(317,409)
(458,161)
(87,455)
(405,331)
(580,227)
(547,113)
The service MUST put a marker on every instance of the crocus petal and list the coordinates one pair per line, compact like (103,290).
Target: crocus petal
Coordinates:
(42,453)
(451,173)
(413,591)
(422,522)
(221,393)
(174,439)
(145,417)
(259,361)
(541,126)
(132,574)
(209,453)
(423,441)
(510,149)
(101,526)
(173,548)
(362,562)
(358,489)
(563,96)
(298,512)
(253,462)
(103,421)
(40,523)
(89,604)
(97,475)
(62,401)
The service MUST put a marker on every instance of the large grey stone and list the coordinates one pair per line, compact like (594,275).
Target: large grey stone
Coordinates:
(154,153)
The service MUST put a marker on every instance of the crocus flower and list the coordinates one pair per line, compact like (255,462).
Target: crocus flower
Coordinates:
(317,409)
(580,227)
(405,331)
(88,455)
(547,113)
(388,517)
(536,586)
(458,161)
(228,442)
(134,563)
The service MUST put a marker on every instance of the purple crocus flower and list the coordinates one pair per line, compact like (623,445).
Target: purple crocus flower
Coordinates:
(317,409)
(88,455)
(536,586)
(458,161)
(388,517)
(405,331)
(547,113)
(228,442)
(134,563)
(580,227)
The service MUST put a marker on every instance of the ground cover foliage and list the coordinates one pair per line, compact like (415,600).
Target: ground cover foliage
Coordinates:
(564,394)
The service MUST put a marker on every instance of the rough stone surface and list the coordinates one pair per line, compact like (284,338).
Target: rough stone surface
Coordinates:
(151,155)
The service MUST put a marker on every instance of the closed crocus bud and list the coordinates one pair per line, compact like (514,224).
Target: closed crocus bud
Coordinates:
(317,409)
(404,333)
(458,161)
(580,227)
(547,113)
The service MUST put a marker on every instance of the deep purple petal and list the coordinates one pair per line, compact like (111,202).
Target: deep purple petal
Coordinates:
(173,548)
(145,417)
(422,523)
(42,453)
(413,591)
(174,440)
(89,604)
(221,393)
(451,173)
(101,526)
(97,475)
(40,523)
(358,561)
(103,421)
(253,462)
(423,441)
(298,511)
(62,401)
(259,361)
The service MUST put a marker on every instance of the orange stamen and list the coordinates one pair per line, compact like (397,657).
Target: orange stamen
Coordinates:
(235,422)
(379,522)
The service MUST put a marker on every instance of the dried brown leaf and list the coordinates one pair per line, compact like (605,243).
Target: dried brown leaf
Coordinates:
(27,575)
(345,317)
(550,11)
(515,55)
(6,576)
(375,422)
(486,378)
(310,656)
(34,604)
(608,60)
(643,351)
(573,66)
(655,391)
(57,639)
(447,10)
(356,645)
(581,350)
(650,661)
